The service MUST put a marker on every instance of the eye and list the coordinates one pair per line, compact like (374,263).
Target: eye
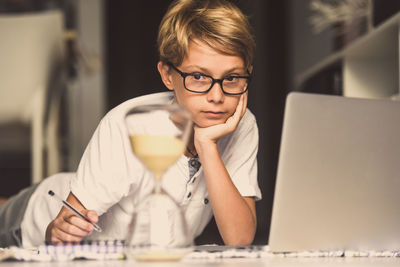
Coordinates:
(197,76)
(231,79)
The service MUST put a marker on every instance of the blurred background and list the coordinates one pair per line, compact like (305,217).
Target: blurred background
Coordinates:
(65,63)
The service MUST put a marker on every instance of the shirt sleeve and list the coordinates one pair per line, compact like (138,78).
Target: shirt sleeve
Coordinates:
(240,156)
(107,170)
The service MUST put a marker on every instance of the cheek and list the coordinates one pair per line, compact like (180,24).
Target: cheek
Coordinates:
(186,100)
(232,104)
(191,104)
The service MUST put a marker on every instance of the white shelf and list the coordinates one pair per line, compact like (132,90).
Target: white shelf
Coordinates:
(370,65)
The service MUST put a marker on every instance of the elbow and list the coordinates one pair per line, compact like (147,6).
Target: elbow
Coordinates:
(240,240)
(245,241)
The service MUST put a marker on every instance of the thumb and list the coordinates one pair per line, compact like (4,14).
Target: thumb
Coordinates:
(91,215)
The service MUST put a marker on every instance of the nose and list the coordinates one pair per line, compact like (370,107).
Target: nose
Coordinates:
(216,94)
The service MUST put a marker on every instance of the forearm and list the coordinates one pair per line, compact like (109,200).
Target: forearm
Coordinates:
(235,215)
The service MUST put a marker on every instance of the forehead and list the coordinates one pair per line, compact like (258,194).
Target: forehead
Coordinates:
(201,54)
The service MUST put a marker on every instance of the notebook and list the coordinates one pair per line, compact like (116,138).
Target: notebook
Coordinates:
(338,179)
(88,250)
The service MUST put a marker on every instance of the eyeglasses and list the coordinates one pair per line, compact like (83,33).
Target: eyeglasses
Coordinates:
(201,83)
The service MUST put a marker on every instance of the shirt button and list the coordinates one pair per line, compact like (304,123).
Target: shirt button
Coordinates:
(193,163)
(206,201)
(189,195)
(194,179)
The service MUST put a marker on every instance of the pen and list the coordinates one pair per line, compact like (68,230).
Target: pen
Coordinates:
(66,204)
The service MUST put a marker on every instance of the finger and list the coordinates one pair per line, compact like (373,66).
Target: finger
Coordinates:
(62,231)
(244,107)
(79,223)
(92,216)
(73,225)
(239,107)
(233,121)
(239,110)
(59,236)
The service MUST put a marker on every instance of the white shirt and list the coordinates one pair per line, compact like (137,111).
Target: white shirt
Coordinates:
(111,180)
(42,209)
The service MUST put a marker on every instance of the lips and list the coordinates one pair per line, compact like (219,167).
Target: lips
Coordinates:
(213,114)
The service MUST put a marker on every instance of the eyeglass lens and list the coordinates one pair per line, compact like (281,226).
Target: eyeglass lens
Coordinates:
(201,83)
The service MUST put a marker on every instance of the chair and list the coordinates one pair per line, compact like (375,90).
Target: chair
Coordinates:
(31,82)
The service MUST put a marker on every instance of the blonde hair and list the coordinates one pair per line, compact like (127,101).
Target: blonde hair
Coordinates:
(218,23)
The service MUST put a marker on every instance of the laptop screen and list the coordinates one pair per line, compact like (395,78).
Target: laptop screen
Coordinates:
(338,180)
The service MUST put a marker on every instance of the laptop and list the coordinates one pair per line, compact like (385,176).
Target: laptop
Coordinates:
(338,179)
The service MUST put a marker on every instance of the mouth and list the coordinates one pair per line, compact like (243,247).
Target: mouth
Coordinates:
(213,114)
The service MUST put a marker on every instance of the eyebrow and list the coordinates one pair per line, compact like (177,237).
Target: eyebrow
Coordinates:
(206,71)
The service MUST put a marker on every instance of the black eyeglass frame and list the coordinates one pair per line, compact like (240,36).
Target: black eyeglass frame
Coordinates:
(185,74)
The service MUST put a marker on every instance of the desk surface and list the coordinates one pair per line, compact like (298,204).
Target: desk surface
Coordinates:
(270,262)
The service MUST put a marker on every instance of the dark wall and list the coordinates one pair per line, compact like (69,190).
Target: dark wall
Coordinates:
(131,48)
(267,100)
(131,31)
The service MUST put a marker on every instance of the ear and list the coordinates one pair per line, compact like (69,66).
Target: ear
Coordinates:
(166,76)
(250,69)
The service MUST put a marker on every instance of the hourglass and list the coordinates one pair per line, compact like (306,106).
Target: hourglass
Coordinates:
(158,136)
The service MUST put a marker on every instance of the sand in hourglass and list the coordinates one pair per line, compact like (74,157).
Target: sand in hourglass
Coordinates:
(157,153)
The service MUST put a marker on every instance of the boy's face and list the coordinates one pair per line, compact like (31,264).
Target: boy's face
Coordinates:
(213,107)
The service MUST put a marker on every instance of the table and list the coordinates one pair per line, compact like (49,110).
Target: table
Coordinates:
(270,262)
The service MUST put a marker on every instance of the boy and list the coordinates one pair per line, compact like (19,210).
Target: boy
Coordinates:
(206,50)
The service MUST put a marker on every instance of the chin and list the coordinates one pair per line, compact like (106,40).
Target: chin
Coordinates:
(209,123)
